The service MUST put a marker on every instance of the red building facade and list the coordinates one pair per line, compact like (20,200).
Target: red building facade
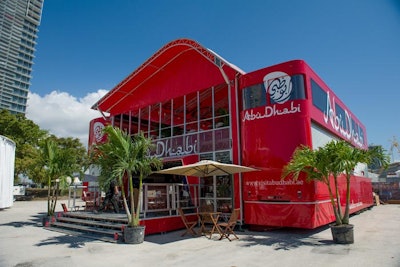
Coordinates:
(195,105)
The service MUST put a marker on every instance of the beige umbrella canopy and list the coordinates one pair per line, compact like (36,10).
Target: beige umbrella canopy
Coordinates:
(206,168)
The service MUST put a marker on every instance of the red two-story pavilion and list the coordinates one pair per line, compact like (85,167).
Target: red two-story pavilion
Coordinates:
(195,105)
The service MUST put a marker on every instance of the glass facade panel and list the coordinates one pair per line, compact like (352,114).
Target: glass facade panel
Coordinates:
(155,121)
(340,113)
(192,113)
(222,139)
(144,120)
(165,123)
(156,197)
(224,205)
(319,96)
(221,107)
(223,156)
(224,186)
(205,110)
(206,156)
(192,108)
(321,100)
(194,124)
(207,189)
(206,141)
(254,96)
(178,116)
(133,118)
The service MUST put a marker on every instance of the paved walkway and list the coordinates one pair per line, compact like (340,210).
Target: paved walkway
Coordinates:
(23,242)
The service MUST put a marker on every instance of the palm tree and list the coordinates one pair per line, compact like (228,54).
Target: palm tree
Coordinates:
(314,165)
(349,158)
(331,160)
(122,155)
(56,164)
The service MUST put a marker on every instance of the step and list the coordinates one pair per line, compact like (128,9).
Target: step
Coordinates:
(70,232)
(84,228)
(116,218)
(103,224)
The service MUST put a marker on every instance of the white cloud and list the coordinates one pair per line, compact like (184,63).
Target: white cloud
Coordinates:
(63,114)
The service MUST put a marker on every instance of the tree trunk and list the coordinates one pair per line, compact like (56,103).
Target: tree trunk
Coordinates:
(347,210)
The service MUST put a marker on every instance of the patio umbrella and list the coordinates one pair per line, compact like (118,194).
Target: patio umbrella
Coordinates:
(205,168)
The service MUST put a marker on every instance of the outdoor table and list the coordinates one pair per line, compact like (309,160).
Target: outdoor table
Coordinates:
(73,196)
(209,218)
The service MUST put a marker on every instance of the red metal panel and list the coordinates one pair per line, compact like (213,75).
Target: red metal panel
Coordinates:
(178,68)
(269,137)
(96,135)
(280,214)
(164,224)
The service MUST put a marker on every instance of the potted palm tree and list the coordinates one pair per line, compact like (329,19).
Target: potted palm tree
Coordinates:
(57,164)
(122,155)
(326,164)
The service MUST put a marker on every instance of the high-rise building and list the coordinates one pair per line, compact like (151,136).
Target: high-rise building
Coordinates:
(19,21)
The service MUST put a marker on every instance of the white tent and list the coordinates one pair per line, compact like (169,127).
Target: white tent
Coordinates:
(7,160)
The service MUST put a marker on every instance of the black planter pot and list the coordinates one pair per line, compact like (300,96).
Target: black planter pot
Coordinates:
(343,234)
(134,235)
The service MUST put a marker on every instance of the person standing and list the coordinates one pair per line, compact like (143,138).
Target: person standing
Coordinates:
(112,196)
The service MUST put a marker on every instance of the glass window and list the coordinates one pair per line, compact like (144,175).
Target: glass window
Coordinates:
(166,129)
(358,131)
(361,131)
(191,107)
(340,113)
(166,113)
(224,187)
(144,120)
(206,156)
(206,141)
(221,107)
(205,109)
(191,113)
(222,140)
(223,156)
(224,205)
(154,121)
(254,96)
(178,115)
(134,122)
(319,96)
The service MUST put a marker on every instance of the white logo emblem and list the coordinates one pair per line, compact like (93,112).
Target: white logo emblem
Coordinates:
(98,131)
(279,85)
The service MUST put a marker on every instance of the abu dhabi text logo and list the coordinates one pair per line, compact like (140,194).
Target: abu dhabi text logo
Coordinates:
(279,86)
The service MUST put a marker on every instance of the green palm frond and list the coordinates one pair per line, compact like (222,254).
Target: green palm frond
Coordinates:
(332,160)
(124,155)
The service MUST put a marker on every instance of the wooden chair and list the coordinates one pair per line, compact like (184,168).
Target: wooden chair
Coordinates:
(188,224)
(226,228)
(65,209)
(89,201)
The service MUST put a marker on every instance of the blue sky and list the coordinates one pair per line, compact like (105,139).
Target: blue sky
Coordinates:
(86,47)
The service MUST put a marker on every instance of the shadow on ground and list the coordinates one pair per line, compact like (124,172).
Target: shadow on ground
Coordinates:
(285,238)
(72,241)
(280,239)
(35,220)
(76,241)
